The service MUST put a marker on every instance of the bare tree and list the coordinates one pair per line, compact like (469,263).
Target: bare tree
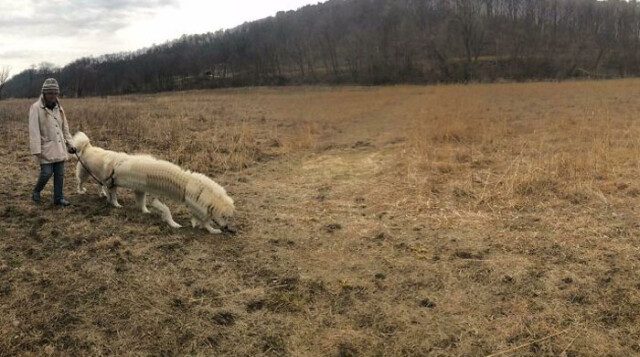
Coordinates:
(4,76)
(468,18)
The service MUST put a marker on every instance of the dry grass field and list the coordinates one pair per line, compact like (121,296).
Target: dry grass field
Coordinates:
(397,221)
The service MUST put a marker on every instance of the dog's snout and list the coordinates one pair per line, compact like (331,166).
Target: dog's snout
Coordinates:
(229,229)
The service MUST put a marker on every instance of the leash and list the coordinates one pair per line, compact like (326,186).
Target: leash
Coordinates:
(113,182)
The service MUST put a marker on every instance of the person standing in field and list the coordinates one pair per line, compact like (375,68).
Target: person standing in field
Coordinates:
(50,141)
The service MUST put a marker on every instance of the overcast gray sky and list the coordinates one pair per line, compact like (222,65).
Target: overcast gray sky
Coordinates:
(59,31)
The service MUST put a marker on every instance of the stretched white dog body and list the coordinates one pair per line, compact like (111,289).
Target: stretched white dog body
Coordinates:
(144,174)
(206,200)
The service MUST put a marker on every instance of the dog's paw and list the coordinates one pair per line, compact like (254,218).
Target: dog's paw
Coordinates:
(116,205)
(82,191)
(175,225)
(146,211)
(214,231)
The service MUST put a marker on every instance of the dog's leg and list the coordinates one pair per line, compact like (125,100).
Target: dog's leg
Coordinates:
(113,197)
(165,213)
(141,199)
(196,223)
(81,176)
(211,230)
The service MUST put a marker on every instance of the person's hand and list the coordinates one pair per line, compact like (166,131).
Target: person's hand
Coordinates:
(72,150)
(36,157)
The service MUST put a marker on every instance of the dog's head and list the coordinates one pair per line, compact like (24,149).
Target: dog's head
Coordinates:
(219,206)
(80,141)
(222,218)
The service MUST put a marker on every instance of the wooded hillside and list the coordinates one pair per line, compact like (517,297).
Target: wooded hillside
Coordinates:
(374,42)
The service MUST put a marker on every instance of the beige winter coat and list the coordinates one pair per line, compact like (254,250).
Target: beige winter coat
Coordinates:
(48,133)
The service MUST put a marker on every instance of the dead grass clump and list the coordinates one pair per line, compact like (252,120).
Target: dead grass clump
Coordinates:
(577,196)
(536,187)
(112,243)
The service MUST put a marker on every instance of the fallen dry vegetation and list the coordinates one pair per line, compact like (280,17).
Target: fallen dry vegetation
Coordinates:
(440,220)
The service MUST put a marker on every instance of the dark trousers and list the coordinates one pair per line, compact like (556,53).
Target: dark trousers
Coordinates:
(56,170)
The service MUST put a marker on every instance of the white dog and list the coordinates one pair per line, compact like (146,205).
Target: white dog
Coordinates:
(144,174)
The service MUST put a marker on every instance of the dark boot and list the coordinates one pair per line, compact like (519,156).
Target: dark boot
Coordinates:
(35,197)
(62,203)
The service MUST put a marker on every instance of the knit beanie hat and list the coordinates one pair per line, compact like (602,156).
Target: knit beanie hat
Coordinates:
(50,86)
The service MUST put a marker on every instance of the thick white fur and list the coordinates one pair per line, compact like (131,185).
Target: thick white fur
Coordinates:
(207,201)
